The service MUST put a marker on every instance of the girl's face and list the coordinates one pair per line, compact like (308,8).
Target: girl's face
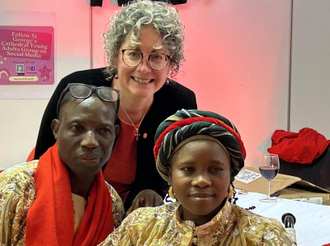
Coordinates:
(141,81)
(200,178)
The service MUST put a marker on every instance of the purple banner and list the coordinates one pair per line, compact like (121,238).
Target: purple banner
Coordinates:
(26,55)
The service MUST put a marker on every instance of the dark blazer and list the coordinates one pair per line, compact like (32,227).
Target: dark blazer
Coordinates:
(170,98)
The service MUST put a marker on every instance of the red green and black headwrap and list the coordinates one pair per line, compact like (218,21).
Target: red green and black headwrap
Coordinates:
(187,124)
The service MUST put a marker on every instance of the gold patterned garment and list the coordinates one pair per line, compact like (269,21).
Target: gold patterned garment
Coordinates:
(231,226)
(17,194)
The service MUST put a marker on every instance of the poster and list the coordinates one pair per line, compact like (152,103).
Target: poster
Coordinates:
(26,55)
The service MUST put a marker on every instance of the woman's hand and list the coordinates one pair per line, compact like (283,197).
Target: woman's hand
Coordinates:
(146,198)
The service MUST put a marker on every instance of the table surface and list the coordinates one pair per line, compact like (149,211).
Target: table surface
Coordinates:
(312,220)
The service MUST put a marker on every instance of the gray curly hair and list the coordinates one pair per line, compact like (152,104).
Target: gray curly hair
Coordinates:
(138,14)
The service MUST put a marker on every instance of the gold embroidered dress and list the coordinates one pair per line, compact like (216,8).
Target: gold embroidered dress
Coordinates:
(231,226)
(17,194)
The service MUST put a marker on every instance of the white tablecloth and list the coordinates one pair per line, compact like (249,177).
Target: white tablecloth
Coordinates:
(312,220)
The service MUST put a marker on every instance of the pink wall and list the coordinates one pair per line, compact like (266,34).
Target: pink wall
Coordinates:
(237,62)
(238,59)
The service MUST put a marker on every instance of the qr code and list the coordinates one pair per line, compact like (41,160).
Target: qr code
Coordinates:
(20,69)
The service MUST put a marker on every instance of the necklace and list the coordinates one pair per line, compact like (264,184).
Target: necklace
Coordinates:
(137,134)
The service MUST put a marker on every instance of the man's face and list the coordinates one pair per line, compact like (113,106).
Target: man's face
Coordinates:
(85,133)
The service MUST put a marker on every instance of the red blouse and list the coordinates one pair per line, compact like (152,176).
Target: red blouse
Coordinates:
(121,168)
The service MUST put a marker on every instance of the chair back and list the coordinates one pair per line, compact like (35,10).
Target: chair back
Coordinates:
(318,172)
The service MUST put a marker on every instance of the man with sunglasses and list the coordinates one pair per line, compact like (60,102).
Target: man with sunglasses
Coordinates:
(63,199)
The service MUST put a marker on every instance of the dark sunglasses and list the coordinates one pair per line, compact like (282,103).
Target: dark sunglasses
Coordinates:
(83,91)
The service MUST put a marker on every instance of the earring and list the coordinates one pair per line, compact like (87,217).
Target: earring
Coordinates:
(116,76)
(230,192)
(167,82)
(171,193)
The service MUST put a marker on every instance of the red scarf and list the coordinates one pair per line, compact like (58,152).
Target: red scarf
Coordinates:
(50,219)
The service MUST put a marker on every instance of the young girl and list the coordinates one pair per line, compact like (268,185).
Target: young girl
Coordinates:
(199,154)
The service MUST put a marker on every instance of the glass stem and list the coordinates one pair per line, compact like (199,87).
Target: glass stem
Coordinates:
(268,184)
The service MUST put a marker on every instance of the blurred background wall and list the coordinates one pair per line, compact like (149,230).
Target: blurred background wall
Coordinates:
(264,64)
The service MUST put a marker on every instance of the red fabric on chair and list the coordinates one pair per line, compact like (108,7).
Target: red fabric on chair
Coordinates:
(302,147)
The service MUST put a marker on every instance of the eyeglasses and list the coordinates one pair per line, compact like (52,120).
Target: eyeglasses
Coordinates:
(83,91)
(157,60)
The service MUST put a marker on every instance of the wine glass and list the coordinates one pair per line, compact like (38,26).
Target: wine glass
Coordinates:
(268,166)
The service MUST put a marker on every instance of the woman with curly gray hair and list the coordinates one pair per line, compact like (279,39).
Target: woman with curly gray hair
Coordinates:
(144,46)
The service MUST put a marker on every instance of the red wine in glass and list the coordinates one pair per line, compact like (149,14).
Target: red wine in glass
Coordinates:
(269,165)
(268,172)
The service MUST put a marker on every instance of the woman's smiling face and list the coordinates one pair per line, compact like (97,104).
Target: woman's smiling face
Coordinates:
(200,177)
(142,81)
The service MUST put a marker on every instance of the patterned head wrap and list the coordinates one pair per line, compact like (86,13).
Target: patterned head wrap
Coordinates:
(188,125)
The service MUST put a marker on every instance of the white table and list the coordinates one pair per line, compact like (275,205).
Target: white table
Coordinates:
(312,220)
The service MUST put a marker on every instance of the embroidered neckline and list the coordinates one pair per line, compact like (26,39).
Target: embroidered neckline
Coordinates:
(209,233)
